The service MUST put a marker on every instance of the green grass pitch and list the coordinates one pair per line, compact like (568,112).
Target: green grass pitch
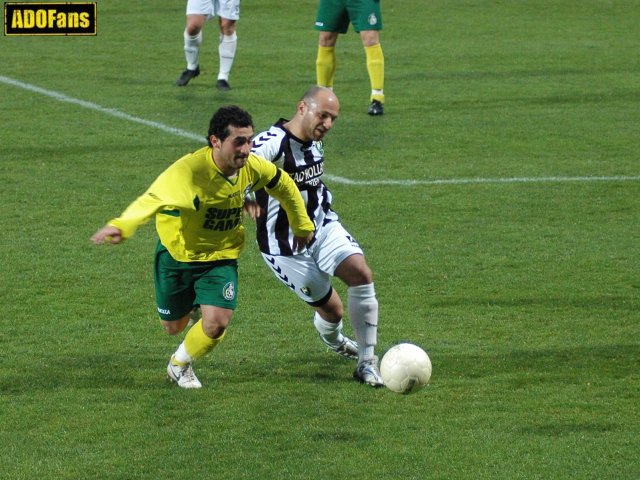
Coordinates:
(497,200)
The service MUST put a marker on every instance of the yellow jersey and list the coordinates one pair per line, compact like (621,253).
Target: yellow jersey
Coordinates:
(198,210)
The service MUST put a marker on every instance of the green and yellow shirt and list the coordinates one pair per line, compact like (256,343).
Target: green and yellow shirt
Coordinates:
(199,210)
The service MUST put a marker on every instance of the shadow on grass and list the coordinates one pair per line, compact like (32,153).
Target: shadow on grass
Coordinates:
(98,371)
(518,368)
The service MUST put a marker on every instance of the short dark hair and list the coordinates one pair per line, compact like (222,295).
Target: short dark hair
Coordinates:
(224,117)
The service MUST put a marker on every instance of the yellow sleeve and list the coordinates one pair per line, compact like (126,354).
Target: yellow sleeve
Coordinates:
(136,214)
(284,189)
(164,193)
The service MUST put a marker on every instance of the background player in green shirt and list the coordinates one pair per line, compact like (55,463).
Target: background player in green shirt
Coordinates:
(198,207)
(333,18)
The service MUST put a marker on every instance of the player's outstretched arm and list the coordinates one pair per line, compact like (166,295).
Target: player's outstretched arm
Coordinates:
(108,234)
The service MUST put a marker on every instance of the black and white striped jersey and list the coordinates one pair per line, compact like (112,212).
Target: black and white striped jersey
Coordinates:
(304,162)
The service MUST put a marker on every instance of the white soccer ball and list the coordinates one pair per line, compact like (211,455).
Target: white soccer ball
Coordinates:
(405,368)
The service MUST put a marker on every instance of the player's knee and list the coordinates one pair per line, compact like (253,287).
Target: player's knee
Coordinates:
(228,27)
(360,274)
(327,39)
(176,326)
(215,331)
(368,274)
(370,38)
(214,328)
(171,329)
(193,30)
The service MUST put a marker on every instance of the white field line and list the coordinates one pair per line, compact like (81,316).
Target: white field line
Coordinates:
(334,178)
(98,108)
(466,181)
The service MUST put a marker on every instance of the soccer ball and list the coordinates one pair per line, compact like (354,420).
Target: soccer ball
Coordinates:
(405,368)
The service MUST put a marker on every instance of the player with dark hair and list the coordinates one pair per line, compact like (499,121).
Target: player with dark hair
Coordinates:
(224,119)
(198,207)
(296,146)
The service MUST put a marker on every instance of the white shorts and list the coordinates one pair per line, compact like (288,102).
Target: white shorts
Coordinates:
(229,9)
(309,274)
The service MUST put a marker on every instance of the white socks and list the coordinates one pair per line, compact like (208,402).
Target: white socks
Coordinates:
(227,52)
(363,312)
(182,356)
(191,49)
(331,332)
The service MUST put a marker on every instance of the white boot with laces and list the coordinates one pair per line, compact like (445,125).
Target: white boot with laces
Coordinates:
(183,375)
(367,372)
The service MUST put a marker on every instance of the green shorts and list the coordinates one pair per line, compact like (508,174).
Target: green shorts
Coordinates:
(180,285)
(335,15)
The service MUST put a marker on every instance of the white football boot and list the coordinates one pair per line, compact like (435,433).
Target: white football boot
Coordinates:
(183,376)
(367,372)
(346,348)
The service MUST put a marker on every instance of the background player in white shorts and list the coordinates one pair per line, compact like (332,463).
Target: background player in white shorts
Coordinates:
(295,146)
(198,12)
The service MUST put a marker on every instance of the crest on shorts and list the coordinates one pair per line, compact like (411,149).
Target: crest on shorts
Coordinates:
(306,291)
(373,19)
(229,291)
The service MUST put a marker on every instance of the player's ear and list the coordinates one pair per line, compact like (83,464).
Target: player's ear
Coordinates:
(214,141)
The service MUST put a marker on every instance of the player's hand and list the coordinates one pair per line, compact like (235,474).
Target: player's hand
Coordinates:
(300,243)
(107,234)
(252,209)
